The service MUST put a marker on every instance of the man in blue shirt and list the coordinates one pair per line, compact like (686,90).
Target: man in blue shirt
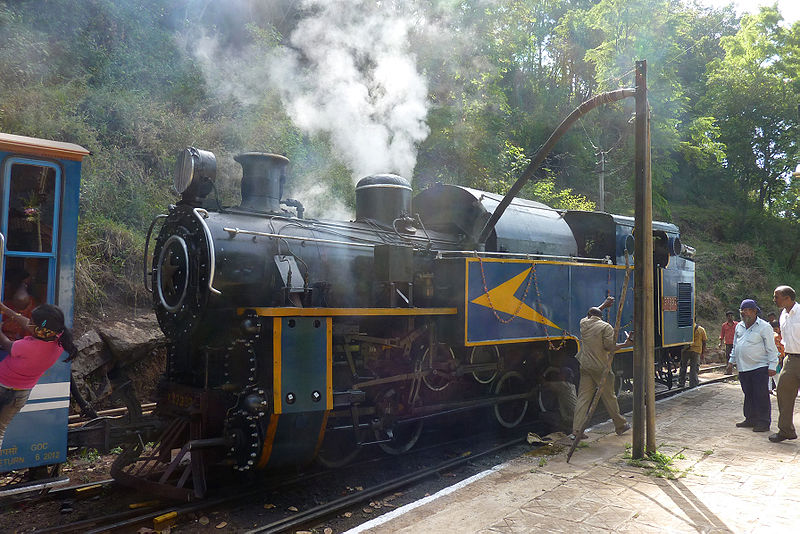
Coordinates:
(756,357)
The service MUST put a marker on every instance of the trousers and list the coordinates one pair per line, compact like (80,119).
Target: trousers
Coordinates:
(11,402)
(787,393)
(757,407)
(590,379)
(692,358)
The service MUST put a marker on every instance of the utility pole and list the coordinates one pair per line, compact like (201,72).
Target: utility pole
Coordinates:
(643,306)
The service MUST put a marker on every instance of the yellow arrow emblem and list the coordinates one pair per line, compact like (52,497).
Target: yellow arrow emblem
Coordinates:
(502,299)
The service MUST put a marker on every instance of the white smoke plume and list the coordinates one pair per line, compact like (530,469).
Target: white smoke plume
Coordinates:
(350,73)
(227,72)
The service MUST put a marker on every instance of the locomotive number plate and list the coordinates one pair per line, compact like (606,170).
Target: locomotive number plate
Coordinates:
(669,304)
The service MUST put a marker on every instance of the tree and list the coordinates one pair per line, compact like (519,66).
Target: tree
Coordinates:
(754,103)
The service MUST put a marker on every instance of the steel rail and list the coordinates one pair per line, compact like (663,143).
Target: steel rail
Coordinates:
(343,502)
(130,518)
(76,418)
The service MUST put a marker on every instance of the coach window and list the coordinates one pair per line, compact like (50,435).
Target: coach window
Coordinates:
(30,226)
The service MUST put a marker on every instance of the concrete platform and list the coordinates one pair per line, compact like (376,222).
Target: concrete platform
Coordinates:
(722,479)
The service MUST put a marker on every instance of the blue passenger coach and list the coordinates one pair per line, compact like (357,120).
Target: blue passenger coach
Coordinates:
(38,221)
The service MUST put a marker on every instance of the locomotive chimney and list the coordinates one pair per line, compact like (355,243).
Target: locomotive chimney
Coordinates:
(263,176)
(383,198)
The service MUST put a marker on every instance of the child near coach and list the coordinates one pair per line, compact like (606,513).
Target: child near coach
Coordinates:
(30,357)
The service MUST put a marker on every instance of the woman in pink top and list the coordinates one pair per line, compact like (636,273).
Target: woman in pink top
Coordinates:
(30,357)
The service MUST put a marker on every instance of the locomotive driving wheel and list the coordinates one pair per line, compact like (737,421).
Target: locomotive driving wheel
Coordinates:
(665,368)
(436,366)
(339,447)
(485,355)
(510,413)
(389,407)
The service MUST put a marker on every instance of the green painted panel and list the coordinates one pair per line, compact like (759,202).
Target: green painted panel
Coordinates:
(304,364)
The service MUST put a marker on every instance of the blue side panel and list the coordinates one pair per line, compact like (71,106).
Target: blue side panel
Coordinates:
(65,294)
(513,300)
(37,436)
(677,307)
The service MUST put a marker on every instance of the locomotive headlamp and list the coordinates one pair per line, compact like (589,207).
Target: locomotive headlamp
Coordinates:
(194,166)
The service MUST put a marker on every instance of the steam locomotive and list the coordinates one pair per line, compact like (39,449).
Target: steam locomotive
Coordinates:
(294,338)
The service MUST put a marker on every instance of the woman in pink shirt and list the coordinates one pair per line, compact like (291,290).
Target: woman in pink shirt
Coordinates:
(30,357)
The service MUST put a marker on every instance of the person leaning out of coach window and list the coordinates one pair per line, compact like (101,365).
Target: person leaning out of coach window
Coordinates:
(756,357)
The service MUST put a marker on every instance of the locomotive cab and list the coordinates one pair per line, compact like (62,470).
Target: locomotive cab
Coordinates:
(601,234)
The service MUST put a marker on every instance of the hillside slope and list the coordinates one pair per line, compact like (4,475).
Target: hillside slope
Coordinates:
(740,255)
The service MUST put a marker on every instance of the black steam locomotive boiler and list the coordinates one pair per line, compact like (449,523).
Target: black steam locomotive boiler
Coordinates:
(293,338)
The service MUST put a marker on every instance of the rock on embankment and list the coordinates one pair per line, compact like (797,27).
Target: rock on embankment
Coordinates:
(116,360)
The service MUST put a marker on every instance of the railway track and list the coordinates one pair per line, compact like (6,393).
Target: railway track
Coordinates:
(75,419)
(111,428)
(152,515)
(161,516)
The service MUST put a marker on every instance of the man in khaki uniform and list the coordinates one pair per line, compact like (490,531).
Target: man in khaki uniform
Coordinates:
(597,348)
(691,357)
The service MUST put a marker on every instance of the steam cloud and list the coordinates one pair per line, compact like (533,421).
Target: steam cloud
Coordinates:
(351,74)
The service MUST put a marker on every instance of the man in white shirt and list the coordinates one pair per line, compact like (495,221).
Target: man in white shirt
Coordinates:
(756,357)
(784,297)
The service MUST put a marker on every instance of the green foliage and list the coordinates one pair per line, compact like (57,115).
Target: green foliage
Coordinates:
(750,93)
(108,263)
(122,79)
(543,190)
(546,191)
(738,255)
(703,148)
(658,464)
(89,455)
